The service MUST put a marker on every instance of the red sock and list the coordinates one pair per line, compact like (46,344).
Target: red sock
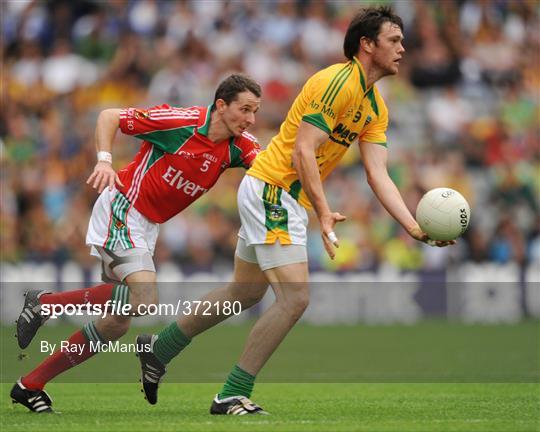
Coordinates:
(95,295)
(58,362)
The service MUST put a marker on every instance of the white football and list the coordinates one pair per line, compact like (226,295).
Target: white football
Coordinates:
(443,214)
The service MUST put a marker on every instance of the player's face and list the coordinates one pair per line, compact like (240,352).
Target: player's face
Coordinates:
(388,50)
(240,113)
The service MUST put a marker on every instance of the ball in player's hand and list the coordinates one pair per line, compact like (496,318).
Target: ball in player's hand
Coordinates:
(443,214)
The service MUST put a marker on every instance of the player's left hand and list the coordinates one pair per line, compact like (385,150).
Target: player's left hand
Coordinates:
(330,240)
(417,233)
(103,176)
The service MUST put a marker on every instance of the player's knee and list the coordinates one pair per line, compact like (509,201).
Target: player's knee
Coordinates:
(296,304)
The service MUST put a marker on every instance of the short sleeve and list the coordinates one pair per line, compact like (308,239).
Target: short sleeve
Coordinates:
(243,150)
(374,130)
(164,126)
(327,97)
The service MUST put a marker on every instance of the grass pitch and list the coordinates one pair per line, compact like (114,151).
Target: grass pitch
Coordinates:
(293,407)
(432,376)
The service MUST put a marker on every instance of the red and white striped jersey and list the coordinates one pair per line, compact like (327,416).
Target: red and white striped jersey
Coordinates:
(176,163)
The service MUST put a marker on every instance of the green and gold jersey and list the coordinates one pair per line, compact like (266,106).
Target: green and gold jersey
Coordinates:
(337,101)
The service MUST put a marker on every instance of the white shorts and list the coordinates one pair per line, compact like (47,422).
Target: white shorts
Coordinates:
(271,256)
(268,213)
(118,265)
(116,225)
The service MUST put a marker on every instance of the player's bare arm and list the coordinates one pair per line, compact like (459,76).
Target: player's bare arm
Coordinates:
(375,157)
(104,175)
(308,139)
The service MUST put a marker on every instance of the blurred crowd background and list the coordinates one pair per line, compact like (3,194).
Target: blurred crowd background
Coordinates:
(464,113)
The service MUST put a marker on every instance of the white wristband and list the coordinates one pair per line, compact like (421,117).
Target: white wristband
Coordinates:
(104,156)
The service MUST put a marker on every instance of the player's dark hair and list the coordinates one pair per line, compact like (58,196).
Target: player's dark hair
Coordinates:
(367,23)
(229,88)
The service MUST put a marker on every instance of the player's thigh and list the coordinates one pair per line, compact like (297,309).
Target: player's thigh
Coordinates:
(286,268)
(290,285)
(248,277)
(120,264)
(282,263)
(273,233)
(142,287)
(134,268)
(288,273)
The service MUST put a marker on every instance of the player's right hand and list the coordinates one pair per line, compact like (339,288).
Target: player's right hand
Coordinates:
(417,233)
(330,240)
(103,176)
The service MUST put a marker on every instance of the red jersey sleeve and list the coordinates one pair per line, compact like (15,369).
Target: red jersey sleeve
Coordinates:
(246,150)
(163,126)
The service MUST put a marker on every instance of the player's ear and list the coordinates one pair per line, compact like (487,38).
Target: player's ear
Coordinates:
(220,106)
(366,44)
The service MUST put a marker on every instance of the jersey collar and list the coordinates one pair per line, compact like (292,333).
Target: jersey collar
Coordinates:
(362,73)
(369,92)
(204,121)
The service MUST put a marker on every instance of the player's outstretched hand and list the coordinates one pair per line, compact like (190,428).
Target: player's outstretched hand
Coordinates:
(328,235)
(103,176)
(417,233)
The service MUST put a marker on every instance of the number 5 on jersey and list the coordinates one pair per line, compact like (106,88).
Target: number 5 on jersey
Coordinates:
(205,166)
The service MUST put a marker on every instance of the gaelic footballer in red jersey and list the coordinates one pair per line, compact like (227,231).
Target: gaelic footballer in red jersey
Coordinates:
(183,153)
(177,162)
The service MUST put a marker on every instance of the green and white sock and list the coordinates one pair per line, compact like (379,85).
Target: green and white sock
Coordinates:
(120,297)
(239,383)
(169,343)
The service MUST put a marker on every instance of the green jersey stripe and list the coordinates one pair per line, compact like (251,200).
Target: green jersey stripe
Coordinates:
(335,84)
(203,130)
(318,121)
(362,81)
(168,140)
(336,76)
(371,96)
(234,154)
(340,86)
(156,155)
